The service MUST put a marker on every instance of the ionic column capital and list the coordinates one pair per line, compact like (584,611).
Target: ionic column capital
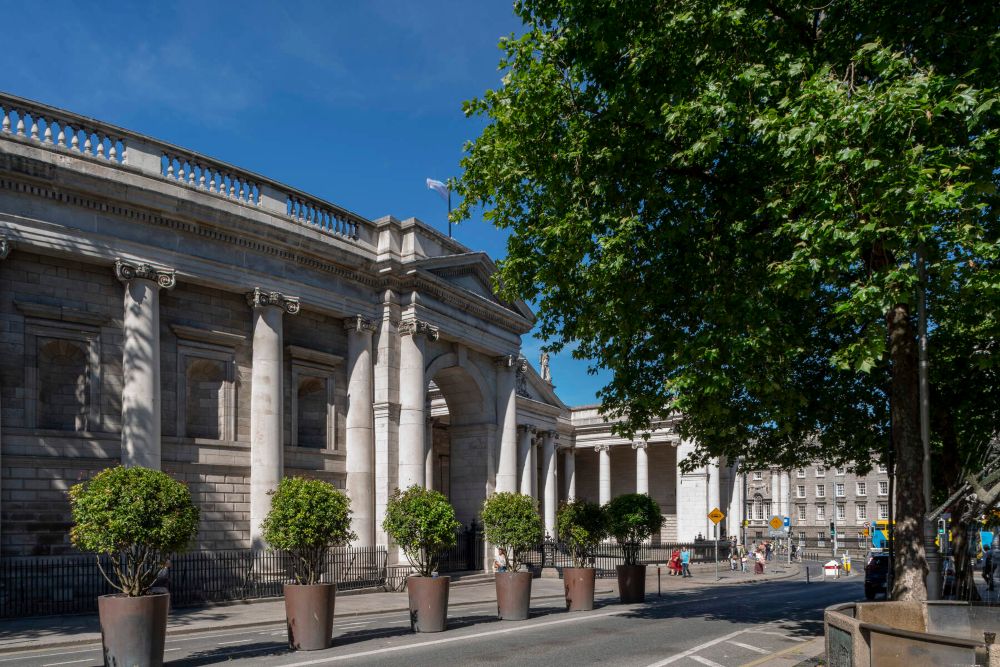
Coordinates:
(5,246)
(527,428)
(642,444)
(129,271)
(259,298)
(602,448)
(419,327)
(359,324)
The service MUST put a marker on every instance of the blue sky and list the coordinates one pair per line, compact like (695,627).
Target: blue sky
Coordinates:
(356,103)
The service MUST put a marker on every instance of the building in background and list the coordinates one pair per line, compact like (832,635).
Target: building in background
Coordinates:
(813,497)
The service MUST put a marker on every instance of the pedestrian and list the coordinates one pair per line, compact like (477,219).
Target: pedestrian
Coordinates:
(995,562)
(686,562)
(767,550)
(988,570)
(734,561)
(675,563)
(501,563)
(759,558)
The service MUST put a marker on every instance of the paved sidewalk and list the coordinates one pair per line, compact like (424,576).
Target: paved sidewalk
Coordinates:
(55,631)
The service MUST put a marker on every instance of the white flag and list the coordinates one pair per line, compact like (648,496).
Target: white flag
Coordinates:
(438,187)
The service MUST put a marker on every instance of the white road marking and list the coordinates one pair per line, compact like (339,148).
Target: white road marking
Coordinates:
(437,642)
(51,655)
(68,662)
(234,641)
(749,647)
(705,661)
(691,651)
(776,634)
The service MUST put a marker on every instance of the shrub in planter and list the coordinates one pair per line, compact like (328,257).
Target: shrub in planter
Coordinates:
(138,517)
(422,522)
(632,519)
(511,523)
(582,526)
(307,518)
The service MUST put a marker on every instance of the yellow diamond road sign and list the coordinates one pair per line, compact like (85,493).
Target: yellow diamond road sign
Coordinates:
(716,515)
(776,522)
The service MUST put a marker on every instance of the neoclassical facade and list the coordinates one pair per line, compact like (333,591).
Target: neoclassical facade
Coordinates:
(164,309)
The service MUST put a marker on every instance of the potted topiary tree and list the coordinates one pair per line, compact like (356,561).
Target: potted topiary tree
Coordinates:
(138,517)
(307,518)
(582,527)
(512,526)
(632,519)
(422,522)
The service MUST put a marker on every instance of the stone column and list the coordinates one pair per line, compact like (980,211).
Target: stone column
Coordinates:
(412,399)
(604,476)
(526,432)
(775,493)
(507,478)
(786,510)
(569,470)
(641,467)
(360,429)
(141,362)
(267,396)
(713,496)
(5,246)
(429,453)
(550,494)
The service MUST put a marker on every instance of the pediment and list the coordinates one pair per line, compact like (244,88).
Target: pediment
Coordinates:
(472,272)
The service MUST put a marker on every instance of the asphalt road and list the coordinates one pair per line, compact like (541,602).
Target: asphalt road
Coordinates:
(728,625)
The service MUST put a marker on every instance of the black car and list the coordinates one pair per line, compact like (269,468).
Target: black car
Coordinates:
(876,575)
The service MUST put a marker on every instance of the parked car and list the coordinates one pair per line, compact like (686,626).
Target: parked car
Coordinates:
(876,574)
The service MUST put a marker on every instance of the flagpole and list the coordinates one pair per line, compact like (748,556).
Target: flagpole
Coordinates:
(449,212)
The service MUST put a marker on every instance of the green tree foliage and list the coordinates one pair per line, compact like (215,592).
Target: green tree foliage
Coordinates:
(722,201)
(511,522)
(136,515)
(422,522)
(582,525)
(307,518)
(632,519)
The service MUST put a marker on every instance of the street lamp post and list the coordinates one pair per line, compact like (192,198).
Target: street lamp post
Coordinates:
(931,553)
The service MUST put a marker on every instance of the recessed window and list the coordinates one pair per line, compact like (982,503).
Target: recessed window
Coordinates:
(883,511)
(820,471)
(841,471)
(839,489)
(821,512)
(862,512)
(800,473)
(862,489)
(800,491)
(821,491)
(841,512)
(882,469)
(758,475)
(883,488)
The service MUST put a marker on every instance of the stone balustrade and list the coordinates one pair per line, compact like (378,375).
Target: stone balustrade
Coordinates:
(61,130)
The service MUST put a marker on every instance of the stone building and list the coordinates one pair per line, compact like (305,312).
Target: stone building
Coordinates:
(162,308)
(813,497)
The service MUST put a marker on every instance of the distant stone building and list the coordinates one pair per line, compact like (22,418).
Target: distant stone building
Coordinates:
(813,497)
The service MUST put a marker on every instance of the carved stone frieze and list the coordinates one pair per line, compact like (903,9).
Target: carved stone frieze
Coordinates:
(259,298)
(127,271)
(418,328)
(360,324)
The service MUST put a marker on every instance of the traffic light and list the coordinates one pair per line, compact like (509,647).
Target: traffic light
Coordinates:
(833,529)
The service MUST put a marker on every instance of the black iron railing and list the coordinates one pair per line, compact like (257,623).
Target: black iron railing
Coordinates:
(609,554)
(467,554)
(41,586)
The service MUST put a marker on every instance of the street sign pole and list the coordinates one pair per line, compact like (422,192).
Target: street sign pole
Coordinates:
(717,577)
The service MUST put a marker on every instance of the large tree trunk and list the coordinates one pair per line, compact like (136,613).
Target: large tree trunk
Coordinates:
(911,565)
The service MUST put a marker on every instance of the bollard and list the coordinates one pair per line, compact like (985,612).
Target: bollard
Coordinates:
(807,574)
(659,593)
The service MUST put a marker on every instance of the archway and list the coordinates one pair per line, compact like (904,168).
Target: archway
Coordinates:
(460,433)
